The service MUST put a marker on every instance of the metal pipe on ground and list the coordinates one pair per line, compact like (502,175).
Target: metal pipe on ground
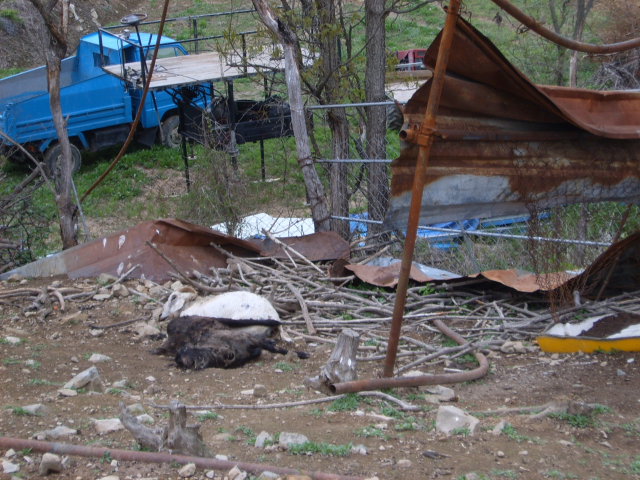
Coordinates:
(424,137)
(148,457)
(380,383)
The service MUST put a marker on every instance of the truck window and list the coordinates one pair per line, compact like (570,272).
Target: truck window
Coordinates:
(166,52)
(97,61)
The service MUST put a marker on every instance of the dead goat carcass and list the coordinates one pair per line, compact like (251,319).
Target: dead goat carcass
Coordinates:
(203,342)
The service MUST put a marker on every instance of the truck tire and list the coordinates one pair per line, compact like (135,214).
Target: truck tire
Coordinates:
(170,136)
(53,155)
(395,118)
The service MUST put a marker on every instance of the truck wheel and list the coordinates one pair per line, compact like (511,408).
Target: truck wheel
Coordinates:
(170,136)
(53,157)
(395,118)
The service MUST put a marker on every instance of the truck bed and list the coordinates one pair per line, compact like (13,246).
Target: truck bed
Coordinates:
(192,69)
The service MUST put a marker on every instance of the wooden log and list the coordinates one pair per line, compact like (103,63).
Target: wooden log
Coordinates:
(342,364)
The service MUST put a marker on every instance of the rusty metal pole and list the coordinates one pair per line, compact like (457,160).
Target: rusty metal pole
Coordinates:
(424,138)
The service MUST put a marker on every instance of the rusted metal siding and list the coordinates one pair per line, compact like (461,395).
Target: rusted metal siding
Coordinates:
(505,144)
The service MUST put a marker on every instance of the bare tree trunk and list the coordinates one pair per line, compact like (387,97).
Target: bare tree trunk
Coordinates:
(337,119)
(55,17)
(289,43)
(378,179)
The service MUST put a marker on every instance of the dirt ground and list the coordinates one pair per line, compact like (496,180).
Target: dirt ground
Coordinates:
(602,446)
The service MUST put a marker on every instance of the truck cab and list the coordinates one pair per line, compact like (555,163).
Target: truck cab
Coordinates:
(98,108)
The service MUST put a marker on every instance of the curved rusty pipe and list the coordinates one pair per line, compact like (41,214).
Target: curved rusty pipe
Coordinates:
(530,22)
(380,383)
(147,457)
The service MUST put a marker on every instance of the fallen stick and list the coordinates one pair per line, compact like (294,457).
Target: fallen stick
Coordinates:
(206,288)
(305,311)
(403,405)
(119,324)
(295,252)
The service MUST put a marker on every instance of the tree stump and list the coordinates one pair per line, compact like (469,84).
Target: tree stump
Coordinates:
(177,437)
(341,366)
(183,439)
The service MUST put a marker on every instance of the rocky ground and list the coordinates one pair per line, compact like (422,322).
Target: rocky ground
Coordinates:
(359,436)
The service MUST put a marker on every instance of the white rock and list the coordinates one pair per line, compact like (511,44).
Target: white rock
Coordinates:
(102,296)
(110,477)
(361,449)
(262,438)
(246,392)
(404,463)
(379,417)
(57,432)
(150,379)
(210,474)
(136,409)
(119,384)
(145,330)
(8,467)
(30,363)
(188,470)
(98,358)
(50,463)
(259,391)
(513,347)
(236,474)
(108,425)
(13,340)
(268,476)
(500,454)
(450,418)
(89,379)
(114,463)
(9,453)
(144,418)
(37,409)
(286,439)
(443,394)
(119,291)
(222,457)
(497,430)
(67,392)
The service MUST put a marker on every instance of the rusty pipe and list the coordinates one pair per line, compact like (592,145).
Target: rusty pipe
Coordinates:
(379,383)
(148,457)
(544,32)
(425,140)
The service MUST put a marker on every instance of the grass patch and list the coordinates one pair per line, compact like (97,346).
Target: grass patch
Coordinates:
(463,432)
(321,448)
(202,417)
(284,366)
(371,432)
(511,432)
(347,403)
(40,382)
(11,361)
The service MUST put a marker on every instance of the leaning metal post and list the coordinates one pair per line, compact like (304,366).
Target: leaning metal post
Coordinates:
(424,138)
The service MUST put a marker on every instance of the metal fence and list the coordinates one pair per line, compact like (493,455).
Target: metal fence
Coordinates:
(566,237)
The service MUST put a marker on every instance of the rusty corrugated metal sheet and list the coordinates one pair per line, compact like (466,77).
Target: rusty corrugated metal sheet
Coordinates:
(615,272)
(186,244)
(506,144)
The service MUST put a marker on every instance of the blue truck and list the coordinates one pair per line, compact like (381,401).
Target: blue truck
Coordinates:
(98,108)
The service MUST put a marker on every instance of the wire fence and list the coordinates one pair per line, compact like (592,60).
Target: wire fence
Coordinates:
(566,237)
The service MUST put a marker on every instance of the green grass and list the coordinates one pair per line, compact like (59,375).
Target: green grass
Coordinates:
(284,366)
(18,411)
(11,361)
(202,417)
(511,432)
(12,15)
(371,432)
(463,432)
(347,403)
(7,72)
(40,382)
(321,448)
